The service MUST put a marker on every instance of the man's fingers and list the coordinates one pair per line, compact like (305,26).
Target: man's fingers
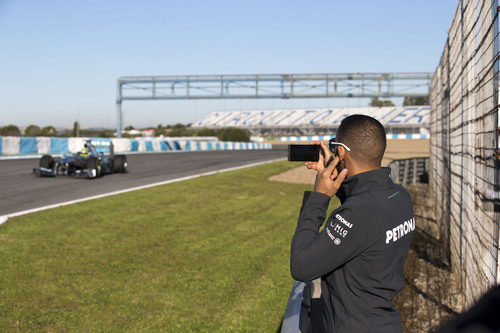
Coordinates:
(338,181)
(326,151)
(313,165)
(325,148)
(334,174)
(332,165)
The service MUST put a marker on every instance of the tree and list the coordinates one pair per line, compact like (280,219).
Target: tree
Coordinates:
(48,131)
(10,130)
(423,100)
(379,103)
(76,129)
(129,128)
(233,134)
(206,132)
(32,130)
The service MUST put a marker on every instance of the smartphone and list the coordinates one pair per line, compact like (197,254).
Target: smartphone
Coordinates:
(305,153)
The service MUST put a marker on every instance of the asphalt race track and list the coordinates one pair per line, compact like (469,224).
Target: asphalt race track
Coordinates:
(21,190)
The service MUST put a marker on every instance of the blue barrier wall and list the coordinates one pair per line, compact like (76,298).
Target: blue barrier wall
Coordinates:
(59,146)
(28,146)
(52,145)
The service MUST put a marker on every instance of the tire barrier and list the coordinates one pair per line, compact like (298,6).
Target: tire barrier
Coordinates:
(45,145)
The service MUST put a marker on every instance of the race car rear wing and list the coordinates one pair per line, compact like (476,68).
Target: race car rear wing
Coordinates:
(103,145)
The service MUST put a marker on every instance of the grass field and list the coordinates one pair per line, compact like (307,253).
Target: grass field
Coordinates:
(208,254)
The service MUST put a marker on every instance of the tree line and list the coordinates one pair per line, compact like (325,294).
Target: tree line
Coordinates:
(34,130)
(408,101)
(224,134)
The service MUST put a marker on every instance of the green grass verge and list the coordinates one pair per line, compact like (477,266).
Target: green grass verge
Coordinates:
(207,254)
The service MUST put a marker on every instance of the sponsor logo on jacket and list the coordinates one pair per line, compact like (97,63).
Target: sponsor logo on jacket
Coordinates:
(339,229)
(335,240)
(400,231)
(344,221)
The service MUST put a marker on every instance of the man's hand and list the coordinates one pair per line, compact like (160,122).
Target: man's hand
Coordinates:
(328,181)
(325,158)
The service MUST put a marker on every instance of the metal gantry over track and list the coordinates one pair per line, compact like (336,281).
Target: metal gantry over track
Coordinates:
(284,86)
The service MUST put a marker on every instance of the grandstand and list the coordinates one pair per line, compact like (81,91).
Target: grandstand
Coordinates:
(409,120)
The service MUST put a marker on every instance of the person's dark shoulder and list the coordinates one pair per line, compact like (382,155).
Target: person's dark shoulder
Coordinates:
(363,201)
(401,189)
(359,208)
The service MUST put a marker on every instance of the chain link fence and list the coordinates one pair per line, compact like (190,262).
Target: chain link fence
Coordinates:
(464,143)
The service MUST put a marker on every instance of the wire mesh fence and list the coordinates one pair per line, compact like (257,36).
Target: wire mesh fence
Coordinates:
(464,143)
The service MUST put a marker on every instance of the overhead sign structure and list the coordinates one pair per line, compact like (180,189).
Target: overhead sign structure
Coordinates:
(284,86)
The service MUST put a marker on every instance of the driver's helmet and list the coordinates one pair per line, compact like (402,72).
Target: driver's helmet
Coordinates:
(84,152)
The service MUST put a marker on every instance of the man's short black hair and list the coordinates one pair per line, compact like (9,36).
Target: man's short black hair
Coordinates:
(365,136)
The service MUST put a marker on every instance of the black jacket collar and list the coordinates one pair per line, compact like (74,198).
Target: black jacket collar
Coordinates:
(374,180)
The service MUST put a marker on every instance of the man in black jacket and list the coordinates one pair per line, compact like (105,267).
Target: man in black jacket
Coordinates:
(360,253)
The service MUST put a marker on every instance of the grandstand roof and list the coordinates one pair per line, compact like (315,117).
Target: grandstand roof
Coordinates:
(404,116)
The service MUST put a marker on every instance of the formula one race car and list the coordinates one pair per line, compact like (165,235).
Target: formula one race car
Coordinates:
(87,163)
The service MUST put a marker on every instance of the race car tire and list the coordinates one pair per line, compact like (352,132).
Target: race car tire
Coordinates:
(93,163)
(120,163)
(47,162)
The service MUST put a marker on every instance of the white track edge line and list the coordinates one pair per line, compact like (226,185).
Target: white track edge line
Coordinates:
(5,217)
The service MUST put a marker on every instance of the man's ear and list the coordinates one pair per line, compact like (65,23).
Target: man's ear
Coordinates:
(341,150)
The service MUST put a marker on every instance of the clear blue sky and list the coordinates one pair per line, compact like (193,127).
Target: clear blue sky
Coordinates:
(60,59)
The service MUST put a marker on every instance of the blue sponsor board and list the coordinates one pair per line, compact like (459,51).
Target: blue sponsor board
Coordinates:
(198,145)
(59,146)
(134,145)
(149,146)
(177,145)
(188,146)
(164,145)
(209,146)
(27,145)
